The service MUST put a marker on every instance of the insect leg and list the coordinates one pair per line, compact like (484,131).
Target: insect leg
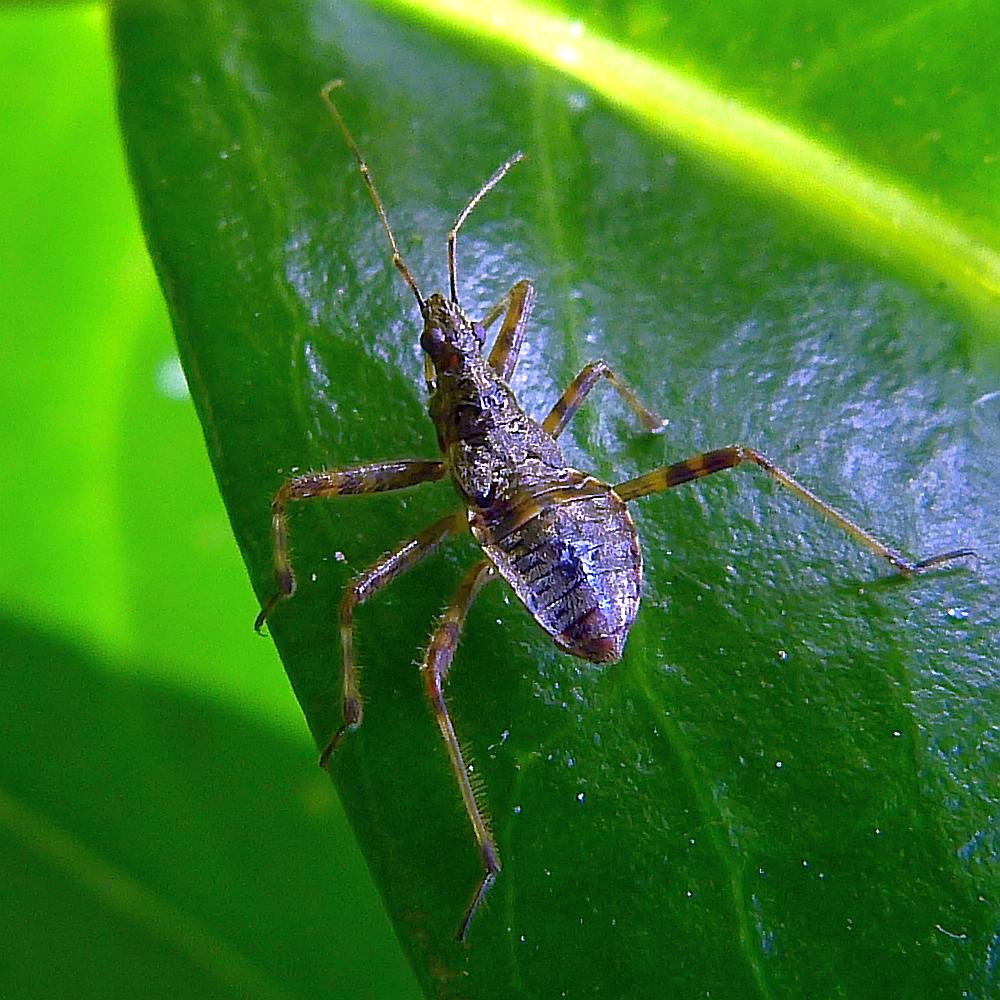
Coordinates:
(437,662)
(563,411)
(507,347)
(375,478)
(728,458)
(371,581)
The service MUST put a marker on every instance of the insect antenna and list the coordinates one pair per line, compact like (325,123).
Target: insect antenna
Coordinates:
(475,200)
(397,257)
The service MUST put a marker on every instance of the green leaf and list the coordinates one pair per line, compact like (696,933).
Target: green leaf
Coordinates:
(787,787)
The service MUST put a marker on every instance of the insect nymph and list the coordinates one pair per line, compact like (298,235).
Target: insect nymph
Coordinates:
(562,540)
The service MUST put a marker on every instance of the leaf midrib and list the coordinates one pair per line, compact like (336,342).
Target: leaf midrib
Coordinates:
(865,209)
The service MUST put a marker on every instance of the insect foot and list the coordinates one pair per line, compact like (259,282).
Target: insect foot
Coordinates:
(353,714)
(284,580)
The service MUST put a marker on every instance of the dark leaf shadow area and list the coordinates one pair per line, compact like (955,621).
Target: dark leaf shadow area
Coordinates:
(164,846)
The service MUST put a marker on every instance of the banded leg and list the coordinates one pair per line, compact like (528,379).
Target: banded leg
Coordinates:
(507,347)
(728,458)
(562,413)
(390,566)
(437,663)
(375,478)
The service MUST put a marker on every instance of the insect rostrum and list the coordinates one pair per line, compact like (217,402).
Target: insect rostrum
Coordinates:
(562,540)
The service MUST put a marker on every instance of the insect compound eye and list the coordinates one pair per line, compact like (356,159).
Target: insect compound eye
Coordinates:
(442,352)
(432,339)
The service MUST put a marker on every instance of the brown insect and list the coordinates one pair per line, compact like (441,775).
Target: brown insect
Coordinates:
(563,540)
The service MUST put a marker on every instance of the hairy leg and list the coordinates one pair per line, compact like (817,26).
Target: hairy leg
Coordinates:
(378,576)
(567,405)
(728,458)
(437,663)
(377,477)
(507,347)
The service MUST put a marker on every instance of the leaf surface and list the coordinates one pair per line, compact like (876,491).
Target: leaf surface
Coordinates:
(787,787)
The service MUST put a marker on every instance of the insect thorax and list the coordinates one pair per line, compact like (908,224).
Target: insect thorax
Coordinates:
(494,448)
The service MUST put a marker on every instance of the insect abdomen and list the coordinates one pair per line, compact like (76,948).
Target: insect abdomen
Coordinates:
(573,559)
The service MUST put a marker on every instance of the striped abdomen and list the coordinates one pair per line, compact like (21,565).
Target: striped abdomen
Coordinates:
(569,551)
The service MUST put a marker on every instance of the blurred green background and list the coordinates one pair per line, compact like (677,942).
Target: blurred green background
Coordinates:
(135,690)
